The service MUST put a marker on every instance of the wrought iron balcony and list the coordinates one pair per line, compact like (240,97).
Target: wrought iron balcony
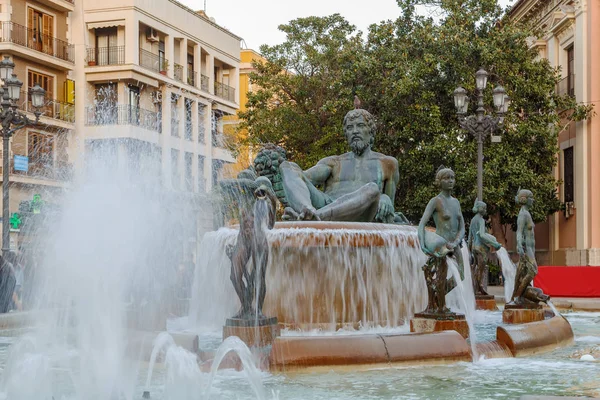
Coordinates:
(35,40)
(55,109)
(153,62)
(42,168)
(191,78)
(566,86)
(178,72)
(225,92)
(204,82)
(120,114)
(112,55)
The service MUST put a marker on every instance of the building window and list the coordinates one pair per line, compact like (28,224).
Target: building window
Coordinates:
(134,104)
(201,181)
(45,81)
(174,115)
(175,169)
(40,30)
(40,150)
(188,171)
(569,177)
(217,169)
(201,127)
(188,119)
(107,50)
(215,121)
(106,110)
(159,116)
(571,71)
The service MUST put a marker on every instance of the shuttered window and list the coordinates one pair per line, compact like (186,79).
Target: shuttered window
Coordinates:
(45,81)
(569,176)
(40,30)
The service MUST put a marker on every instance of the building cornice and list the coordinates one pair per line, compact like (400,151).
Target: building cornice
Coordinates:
(235,57)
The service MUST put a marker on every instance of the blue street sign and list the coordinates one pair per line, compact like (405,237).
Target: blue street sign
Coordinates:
(21,163)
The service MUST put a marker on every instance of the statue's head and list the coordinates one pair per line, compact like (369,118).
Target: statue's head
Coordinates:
(524,197)
(480,207)
(444,178)
(359,129)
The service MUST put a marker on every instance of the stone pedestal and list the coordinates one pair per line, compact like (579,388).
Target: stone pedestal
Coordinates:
(255,333)
(485,302)
(428,323)
(513,314)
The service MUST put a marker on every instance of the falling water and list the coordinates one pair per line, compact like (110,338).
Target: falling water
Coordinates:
(469,309)
(109,257)
(328,276)
(554,310)
(509,271)
(163,340)
(233,343)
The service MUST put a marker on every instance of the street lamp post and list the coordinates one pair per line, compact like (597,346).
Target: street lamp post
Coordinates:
(480,125)
(11,121)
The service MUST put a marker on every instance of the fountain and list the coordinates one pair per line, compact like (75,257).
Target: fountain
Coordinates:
(342,279)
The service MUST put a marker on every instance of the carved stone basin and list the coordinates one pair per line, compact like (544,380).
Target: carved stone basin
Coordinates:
(331,274)
(321,275)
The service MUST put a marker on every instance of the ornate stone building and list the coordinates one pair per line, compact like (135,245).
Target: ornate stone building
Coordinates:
(571,42)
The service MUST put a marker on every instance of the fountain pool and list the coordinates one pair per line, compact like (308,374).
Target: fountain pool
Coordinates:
(560,372)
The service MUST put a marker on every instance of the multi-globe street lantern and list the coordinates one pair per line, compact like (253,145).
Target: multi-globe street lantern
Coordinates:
(11,121)
(481,125)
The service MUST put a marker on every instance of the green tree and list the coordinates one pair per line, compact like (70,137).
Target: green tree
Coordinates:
(305,88)
(405,72)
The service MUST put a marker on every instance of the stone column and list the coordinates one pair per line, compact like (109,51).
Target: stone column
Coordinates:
(210,68)
(183,45)
(170,54)
(198,64)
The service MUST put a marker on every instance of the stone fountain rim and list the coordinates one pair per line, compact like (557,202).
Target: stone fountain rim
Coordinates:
(338,225)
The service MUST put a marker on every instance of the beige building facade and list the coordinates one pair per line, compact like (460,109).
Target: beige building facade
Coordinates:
(153,82)
(160,76)
(35,36)
(571,42)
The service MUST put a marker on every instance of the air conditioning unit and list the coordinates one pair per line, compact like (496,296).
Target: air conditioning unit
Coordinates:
(152,35)
(157,96)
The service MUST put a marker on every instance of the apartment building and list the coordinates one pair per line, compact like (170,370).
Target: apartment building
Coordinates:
(34,35)
(231,123)
(570,41)
(160,75)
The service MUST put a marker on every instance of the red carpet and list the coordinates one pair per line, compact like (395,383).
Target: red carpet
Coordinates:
(569,281)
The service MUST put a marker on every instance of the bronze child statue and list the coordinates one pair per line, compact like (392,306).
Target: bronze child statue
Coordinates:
(252,245)
(524,295)
(480,244)
(449,232)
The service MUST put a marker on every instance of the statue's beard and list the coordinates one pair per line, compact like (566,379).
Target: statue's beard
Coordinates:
(359,146)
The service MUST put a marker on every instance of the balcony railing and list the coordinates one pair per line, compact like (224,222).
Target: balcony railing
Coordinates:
(34,40)
(204,82)
(123,115)
(152,61)
(566,86)
(112,55)
(42,168)
(52,108)
(191,77)
(225,92)
(178,72)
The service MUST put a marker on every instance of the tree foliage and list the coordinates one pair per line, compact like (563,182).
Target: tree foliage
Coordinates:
(405,72)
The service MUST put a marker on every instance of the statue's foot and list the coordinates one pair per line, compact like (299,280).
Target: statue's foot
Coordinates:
(241,314)
(309,214)
(289,214)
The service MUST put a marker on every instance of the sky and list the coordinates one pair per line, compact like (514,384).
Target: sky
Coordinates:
(256,21)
